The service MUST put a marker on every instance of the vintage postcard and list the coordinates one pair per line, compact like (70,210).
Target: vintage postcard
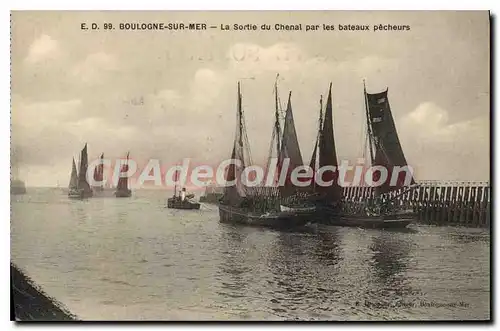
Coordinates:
(249,166)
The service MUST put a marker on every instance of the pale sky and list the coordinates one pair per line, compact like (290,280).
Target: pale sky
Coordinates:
(172,94)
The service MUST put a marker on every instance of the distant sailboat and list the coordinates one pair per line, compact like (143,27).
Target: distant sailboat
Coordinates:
(101,190)
(122,190)
(73,182)
(79,188)
(99,175)
(17,187)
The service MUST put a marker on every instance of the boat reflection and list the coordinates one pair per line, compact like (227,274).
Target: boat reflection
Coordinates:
(233,273)
(327,250)
(302,267)
(389,265)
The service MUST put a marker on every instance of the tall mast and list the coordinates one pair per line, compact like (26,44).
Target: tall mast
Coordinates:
(240,118)
(175,182)
(320,115)
(276,131)
(318,138)
(368,123)
(277,116)
(102,170)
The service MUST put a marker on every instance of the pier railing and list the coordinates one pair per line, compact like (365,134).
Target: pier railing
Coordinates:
(465,203)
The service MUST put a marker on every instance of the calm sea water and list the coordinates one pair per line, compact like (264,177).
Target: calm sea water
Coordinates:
(133,259)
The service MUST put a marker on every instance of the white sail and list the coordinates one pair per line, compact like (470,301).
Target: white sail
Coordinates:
(73,182)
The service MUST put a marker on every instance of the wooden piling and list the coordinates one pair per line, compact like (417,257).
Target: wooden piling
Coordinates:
(444,203)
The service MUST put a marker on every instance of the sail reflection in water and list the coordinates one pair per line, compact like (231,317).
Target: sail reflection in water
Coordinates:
(236,283)
(391,255)
(302,274)
(233,264)
(327,250)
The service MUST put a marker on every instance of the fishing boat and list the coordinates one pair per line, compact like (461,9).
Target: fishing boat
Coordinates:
(293,199)
(326,199)
(241,204)
(381,209)
(17,187)
(212,194)
(378,212)
(79,188)
(122,190)
(278,220)
(73,192)
(102,189)
(182,201)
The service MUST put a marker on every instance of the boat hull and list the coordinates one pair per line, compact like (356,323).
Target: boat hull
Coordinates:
(17,187)
(17,190)
(123,194)
(299,210)
(234,215)
(185,205)
(385,221)
(80,194)
(374,222)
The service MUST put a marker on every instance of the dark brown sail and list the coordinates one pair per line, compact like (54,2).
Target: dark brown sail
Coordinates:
(289,150)
(328,155)
(123,181)
(99,174)
(242,150)
(385,141)
(313,162)
(233,194)
(82,174)
(275,147)
(314,159)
